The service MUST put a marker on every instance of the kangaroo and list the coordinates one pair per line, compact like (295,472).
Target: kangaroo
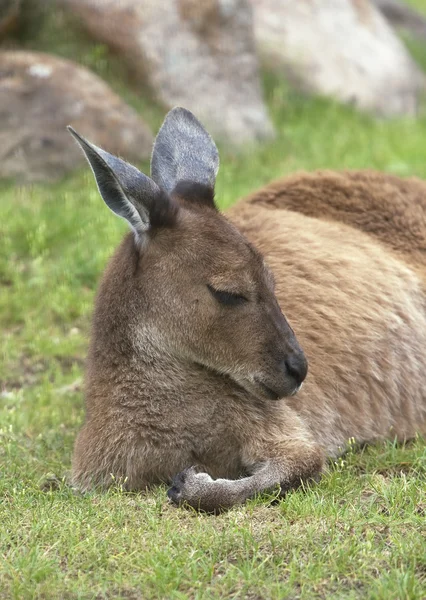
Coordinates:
(194,375)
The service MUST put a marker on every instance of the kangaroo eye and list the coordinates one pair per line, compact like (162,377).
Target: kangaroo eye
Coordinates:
(227,297)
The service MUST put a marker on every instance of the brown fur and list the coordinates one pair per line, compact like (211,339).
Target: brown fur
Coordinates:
(168,381)
(391,209)
(357,308)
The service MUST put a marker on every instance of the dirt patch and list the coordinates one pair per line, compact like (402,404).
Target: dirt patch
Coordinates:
(28,371)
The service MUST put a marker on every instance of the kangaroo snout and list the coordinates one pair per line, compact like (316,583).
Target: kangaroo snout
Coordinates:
(287,366)
(286,378)
(296,367)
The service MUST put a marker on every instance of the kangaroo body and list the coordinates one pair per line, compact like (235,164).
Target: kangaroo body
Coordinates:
(358,309)
(191,362)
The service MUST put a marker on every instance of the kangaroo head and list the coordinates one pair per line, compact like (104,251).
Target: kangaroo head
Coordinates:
(204,293)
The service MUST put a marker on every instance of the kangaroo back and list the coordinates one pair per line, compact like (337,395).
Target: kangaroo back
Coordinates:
(390,209)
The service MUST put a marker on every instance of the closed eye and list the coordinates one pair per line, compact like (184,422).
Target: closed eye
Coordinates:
(227,298)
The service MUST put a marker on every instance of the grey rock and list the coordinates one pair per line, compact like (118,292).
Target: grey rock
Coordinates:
(39,96)
(402,16)
(339,48)
(196,54)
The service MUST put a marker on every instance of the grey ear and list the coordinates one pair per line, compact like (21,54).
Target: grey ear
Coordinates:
(126,191)
(183,152)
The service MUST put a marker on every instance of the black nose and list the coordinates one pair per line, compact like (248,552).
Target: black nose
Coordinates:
(296,366)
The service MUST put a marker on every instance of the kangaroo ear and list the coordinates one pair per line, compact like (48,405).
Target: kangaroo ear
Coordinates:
(184,153)
(126,191)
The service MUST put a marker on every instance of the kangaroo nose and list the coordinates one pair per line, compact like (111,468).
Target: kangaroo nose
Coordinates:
(296,366)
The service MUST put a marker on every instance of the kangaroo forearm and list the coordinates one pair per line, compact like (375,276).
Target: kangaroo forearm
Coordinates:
(202,492)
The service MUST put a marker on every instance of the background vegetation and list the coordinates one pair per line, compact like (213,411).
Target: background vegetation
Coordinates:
(360,533)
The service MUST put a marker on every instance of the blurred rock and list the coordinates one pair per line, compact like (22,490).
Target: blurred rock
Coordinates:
(39,96)
(9,13)
(197,54)
(402,16)
(339,48)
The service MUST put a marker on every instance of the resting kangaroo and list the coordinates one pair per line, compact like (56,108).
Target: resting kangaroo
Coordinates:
(194,374)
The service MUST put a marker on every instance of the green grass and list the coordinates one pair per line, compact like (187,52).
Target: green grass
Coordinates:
(360,533)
